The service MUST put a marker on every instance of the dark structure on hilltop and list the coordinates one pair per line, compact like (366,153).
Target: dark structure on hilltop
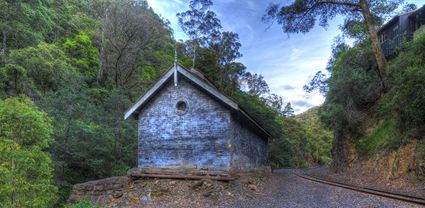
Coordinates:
(401,28)
(185,122)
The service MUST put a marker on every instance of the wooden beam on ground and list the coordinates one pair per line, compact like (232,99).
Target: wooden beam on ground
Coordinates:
(195,174)
(184,176)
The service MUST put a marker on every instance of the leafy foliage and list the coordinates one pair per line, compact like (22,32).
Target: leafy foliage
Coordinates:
(82,204)
(200,23)
(298,141)
(304,140)
(84,64)
(84,56)
(407,96)
(288,111)
(46,66)
(354,102)
(129,29)
(219,48)
(387,135)
(90,138)
(302,15)
(256,84)
(26,178)
(17,21)
(353,87)
(319,137)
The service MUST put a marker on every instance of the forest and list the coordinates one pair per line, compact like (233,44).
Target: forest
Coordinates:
(69,69)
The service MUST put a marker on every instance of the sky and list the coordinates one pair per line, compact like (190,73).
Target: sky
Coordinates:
(287,62)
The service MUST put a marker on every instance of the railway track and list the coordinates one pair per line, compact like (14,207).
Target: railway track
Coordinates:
(376,192)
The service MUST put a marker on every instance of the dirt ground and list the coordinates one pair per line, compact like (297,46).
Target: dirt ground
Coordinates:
(288,190)
(357,175)
(281,189)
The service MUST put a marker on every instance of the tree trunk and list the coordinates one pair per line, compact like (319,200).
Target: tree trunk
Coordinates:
(376,45)
(339,153)
(4,48)
(12,195)
(102,47)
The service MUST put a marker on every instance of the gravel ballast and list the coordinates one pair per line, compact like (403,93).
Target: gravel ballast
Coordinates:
(288,190)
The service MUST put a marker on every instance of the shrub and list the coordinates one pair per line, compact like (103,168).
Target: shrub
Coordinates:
(407,97)
(386,135)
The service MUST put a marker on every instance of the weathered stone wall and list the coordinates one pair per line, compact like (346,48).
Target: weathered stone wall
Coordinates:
(100,191)
(124,192)
(197,138)
(249,150)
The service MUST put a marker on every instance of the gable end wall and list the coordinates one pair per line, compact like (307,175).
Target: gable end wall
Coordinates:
(197,139)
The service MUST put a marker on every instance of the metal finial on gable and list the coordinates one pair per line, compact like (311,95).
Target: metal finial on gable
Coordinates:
(175,67)
(175,55)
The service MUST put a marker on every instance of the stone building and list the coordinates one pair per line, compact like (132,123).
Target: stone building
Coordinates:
(186,122)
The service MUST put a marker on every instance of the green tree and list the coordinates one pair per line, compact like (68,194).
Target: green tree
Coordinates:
(84,56)
(22,23)
(274,101)
(14,80)
(256,84)
(130,29)
(26,178)
(288,111)
(319,137)
(46,65)
(61,13)
(225,46)
(91,140)
(215,50)
(302,15)
(200,24)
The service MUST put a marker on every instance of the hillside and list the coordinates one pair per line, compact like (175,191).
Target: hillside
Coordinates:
(379,136)
(69,69)
(81,68)
(319,137)
(304,142)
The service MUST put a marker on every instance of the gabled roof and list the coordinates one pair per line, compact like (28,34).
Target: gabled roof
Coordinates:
(419,11)
(201,82)
(395,18)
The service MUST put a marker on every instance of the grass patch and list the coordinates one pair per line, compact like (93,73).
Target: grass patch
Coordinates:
(387,135)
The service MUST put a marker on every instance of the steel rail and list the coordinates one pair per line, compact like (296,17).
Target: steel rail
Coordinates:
(376,192)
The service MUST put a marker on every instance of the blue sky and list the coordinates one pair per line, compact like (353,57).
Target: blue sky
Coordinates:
(286,62)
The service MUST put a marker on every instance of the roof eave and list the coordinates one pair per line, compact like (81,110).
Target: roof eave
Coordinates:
(149,93)
(392,20)
(202,84)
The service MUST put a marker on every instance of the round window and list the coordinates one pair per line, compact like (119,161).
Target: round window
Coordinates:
(181,107)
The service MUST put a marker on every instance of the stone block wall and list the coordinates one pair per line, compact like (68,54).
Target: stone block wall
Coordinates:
(197,138)
(249,150)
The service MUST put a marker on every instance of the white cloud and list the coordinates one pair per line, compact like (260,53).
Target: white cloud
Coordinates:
(282,60)
(295,54)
